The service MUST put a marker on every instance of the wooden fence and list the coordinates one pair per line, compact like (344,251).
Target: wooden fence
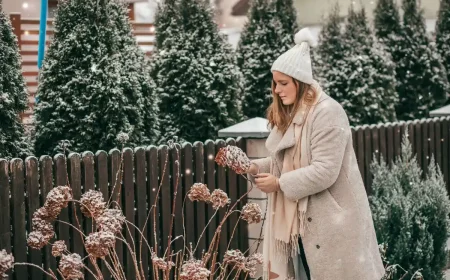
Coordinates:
(428,137)
(25,184)
(27,32)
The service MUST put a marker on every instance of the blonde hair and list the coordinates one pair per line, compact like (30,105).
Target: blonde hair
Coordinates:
(280,115)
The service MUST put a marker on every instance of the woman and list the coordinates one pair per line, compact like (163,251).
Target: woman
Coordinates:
(318,224)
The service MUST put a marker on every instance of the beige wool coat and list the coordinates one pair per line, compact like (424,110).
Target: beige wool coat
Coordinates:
(340,241)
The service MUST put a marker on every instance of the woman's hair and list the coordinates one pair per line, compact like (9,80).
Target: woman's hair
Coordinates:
(279,114)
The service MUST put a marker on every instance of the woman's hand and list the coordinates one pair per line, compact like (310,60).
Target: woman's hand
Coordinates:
(253,170)
(267,183)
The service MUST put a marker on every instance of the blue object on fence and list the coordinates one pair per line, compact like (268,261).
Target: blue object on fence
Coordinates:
(42,34)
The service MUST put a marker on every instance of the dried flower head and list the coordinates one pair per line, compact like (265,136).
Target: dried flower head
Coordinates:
(37,240)
(234,158)
(43,214)
(219,199)
(111,220)
(58,248)
(98,243)
(251,213)
(43,227)
(194,270)
(199,192)
(161,263)
(6,263)
(58,198)
(252,262)
(71,266)
(235,257)
(123,137)
(92,204)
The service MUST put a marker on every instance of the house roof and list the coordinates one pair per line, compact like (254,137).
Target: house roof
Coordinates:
(240,8)
(252,128)
(441,112)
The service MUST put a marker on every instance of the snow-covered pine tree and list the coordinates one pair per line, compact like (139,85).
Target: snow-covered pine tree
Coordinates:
(369,96)
(13,94)
(443,34)
(196,77)
(258,48)
(387,20)
(165,21)
(329,56)
(93,83)
(286,15)
(411,214)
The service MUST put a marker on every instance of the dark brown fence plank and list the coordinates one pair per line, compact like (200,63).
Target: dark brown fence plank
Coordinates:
(210,179)
(390,144)
(446,151)
(221,183)
(367,157)
(75,213)
(152,188)
(175,156)
(115,186)
(375,131)
(61,180)
(5,218)
(18,215)
(141,201)
(412,133)
(431,140)
(360,151)
(33,203)
(397,139)
(128,209)
(233,193)
(438,142)
(165,196)
(88,182)
(242,190)
(199,164)
(418,141)
(383,139)
(188,181)
(102,181)
(425,146)
(46,182)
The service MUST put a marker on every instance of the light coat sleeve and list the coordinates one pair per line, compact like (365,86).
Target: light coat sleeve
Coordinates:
(329,137)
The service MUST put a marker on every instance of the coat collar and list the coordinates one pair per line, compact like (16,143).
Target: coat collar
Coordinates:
(277,141)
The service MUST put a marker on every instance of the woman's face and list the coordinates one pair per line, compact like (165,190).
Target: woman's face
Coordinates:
(285,88)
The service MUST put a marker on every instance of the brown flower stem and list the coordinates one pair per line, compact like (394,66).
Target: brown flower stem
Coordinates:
(133,255)
(66,223)
(223,272)
(140,247)
(38,267)
(60,273)
(111,270)
(117,264)
(232,234)
(246,275)
(237,274)
(97,269)
(229,274)
(204,229)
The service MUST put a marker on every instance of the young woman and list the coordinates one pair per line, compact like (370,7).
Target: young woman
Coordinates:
(318,224)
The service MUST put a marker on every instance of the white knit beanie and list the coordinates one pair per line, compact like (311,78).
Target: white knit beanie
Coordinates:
(296,62)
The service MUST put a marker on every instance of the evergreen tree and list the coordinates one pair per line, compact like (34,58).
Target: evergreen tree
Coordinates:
(258,48)
(411,214)
(386,20)
(94,83)
(443,34)
(196,76)
(369,96)
(286,17)
(329,56)
(13,93)
(165,21)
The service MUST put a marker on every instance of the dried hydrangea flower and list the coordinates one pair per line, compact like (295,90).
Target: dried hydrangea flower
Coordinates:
(161,263)
(219,199)
(111,220)
(251,212)
(252,262)
(98,243)
(235,257)
(43,227)
(6,263)
(37,240)
(123,137)
(234,158)
(71,266)
(199,192)
(57,199)
(92,204)
(58,248)
(194,270)
(43,214)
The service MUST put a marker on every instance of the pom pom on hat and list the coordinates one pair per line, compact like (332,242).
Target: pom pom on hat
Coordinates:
(305,36)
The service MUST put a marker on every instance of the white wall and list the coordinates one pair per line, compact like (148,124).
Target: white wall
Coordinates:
(32,8)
